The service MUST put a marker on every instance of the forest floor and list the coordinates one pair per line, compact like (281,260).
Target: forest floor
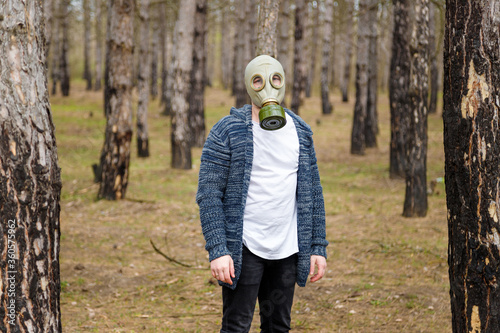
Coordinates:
(386,273)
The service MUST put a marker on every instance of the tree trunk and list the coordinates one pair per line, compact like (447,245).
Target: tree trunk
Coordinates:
(163,51)
(56,46)
(98,45)
(228,32)
(313,47)
(142,82)
(398,87)
(433,55)
(64,61)
(416,136)
(358,141)
(30,178)
(348,51)
(87,74)
(472,162)
(115,155)
(243,55)
(284,37)
(198,79)
(48,15)
(325,60)
(299,61)
(155,39)
(268,33)
(371,124)
(183,65)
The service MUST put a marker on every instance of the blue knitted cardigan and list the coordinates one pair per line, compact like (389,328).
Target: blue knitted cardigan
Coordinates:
(226,164)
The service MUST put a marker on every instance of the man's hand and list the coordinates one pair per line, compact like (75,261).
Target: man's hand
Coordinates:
(320,262)
(223,269)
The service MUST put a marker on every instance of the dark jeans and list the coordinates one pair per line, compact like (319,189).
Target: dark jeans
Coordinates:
(272,282)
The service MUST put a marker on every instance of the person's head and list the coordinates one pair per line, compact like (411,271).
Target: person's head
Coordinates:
(265,83)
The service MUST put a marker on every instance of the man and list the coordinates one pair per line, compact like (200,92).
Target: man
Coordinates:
(261,204)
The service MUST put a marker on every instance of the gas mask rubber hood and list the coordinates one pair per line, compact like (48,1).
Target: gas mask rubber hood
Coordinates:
(265,83)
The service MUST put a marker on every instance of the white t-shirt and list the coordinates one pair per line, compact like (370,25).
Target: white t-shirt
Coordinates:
(270,219)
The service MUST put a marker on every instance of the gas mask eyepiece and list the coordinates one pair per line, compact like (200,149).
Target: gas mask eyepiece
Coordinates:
(265,83)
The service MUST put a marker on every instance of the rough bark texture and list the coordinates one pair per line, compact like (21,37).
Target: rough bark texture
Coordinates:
(98,45)
(64,61)
(371,124)
(30,178)
(433,60)
(299,61)
(48,15)
(348,51)
(183,65)
(198,78)
(115,155)
(472,162)
(313,48)
(142,82)
(325,60)
(358,142)
(87,74)
(399,81)
(416,136)
(155,40)
(267,28)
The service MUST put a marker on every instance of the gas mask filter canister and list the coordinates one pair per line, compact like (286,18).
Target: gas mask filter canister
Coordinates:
(265,83)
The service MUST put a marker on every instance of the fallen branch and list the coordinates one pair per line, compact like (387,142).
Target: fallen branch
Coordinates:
(157,250)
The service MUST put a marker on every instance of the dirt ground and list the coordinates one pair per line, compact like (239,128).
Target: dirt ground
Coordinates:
(385,273)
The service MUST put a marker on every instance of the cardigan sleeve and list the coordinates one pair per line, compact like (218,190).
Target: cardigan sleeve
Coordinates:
(319,242)
(212,181)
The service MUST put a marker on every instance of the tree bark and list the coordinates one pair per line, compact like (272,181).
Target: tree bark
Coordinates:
(472,162)
(358,141)
(142,82)
(98,45)
(398,87)
(284,37)
(87,74)
(348,51)
(155,38)
(267,28)
(243,55)
(64,61)
(325,60)
(48,15)
(163,51)
(183,65)
(313,47)
(433,55)
(371,124)
(299,61)
(115,155)
(30,178)
(228,32)
(415,204)
(198,79)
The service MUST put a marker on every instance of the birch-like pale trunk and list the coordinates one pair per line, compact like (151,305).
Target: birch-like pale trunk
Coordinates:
(142,81)
(267,34)
(358,141)
(183,66)
(30,178)
(325,59)
(98,45)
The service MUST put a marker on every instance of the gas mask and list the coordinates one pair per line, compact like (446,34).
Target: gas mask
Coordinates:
(265,83)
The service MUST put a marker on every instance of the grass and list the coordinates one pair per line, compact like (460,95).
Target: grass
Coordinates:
(385,273)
